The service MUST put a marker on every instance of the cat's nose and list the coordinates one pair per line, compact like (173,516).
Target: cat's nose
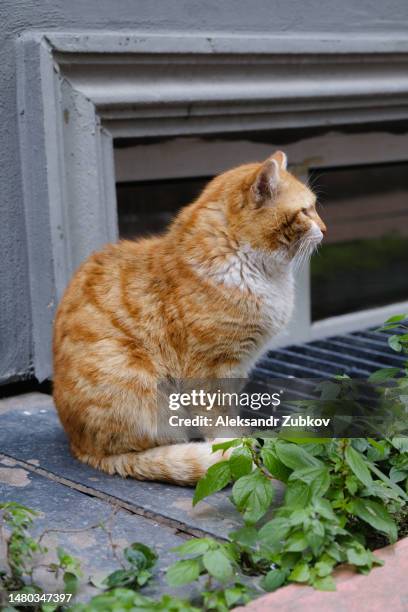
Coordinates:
(323,228)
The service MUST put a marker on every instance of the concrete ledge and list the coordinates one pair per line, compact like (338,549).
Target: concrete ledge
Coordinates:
(384,588)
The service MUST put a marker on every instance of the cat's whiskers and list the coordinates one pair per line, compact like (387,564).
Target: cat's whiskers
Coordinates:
(308,244)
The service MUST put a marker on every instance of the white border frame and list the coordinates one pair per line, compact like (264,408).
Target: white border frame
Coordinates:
(78,91)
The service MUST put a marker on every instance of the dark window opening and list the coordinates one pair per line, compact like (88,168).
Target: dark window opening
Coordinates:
(363,262)
(148,207)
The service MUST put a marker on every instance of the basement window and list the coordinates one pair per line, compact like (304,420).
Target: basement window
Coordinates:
(363,261)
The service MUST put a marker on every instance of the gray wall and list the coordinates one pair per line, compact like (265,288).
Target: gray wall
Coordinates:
(229,16)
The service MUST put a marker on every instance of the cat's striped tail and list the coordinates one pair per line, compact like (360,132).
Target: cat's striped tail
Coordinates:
(182,464)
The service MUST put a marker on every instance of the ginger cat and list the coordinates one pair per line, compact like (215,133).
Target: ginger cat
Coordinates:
(201,301)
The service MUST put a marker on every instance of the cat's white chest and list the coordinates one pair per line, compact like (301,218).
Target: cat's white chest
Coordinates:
(262,277)
(271,283)
(269,286)
(277,299)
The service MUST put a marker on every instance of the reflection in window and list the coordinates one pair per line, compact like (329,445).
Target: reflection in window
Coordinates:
(363,261)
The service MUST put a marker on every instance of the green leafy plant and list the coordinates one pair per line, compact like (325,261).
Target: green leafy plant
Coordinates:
(21,547)
(136,571)
(341,494)
(120,599)
(335,493)
(212,562)
(70,568)
(23,556)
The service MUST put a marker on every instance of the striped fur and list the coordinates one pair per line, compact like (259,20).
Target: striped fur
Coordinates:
(203,300)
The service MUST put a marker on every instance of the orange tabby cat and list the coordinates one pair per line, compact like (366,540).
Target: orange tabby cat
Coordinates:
(201,301)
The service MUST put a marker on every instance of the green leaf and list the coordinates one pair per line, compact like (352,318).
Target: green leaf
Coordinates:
(360,444)
(317,527)
(359,556)
(329,390)
(274,466)
(273,580)
(217,477)
(123,578)
(226,445)
(296,542)
(323,507)
(324,568)
(183,572)
(45,607)
(240,462)
(288,560)
(375,515)
(120,600)
(300,573)
(335,551)
(310,441)
(317,478)
(140,556)
(71,582)
(295,457)
(383,375)
(246,536)
(315,542)
(274,532)
(253,495)
(297,495)
(397,475)
(385,328)
(397,489)
(324,584)
(218,565)
(357,464)
(143,577)
(379,446)
(236,594)
(352,484)
(194,547)
(299,516)
(400,444)
(394,343)
(396,318)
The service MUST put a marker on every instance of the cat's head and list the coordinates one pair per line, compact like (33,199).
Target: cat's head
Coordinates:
(275,211)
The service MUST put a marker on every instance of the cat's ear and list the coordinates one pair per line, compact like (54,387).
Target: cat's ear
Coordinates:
(266,182)
(281,158)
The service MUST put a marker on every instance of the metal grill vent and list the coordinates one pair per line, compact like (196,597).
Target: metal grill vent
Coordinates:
(357,354)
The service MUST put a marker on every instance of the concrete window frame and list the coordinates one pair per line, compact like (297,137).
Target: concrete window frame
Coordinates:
(77,92)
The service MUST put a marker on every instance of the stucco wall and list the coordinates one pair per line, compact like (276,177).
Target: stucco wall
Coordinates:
(229,16)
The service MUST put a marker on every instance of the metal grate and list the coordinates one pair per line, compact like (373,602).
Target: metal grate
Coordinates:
(357,354)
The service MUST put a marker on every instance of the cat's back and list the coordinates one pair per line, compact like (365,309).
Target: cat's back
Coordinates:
(107,294)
